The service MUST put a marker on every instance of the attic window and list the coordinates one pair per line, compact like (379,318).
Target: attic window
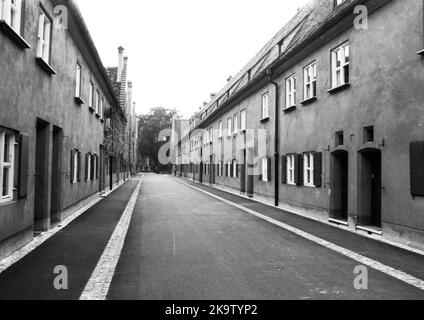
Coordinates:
(338,2)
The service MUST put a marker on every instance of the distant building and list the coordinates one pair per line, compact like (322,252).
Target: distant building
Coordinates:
(340,111)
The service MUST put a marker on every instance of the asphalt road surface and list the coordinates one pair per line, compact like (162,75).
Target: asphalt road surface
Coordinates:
(184,244)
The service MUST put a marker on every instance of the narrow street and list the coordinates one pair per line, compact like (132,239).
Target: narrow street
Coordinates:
(185,244)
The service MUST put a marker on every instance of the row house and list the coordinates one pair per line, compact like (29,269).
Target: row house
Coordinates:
(327,119)
(118,128)
(55,98)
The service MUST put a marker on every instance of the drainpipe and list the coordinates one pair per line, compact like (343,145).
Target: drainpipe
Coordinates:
(276,140)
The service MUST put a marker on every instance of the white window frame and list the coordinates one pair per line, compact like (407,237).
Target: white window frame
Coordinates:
(308,169)
(264,169)
(290,165)
(265,106)
(102,106)
(243,120)
(78,81)
(340,60)
(97,101)
(234,164)
(44,37)
(210,135)
(94,166)
(91,95)
(11,13)
(291,91)
(229,164)
(88,167)
(229,126)
(220,133)
(75,166)
(9,165)
(236,123)
(310,81)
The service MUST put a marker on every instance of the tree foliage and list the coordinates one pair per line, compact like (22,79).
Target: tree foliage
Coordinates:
(149,127)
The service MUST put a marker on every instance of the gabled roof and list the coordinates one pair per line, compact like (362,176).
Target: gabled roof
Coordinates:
(300,27)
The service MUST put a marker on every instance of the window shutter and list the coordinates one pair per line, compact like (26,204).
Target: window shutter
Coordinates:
(72,165)
(86,166)
(237,170)
(79,166)
(298,169)
(269,171)
(417,168)
(226,170)
(284,169)
(97,166)
(318,169)
(232,169)
(260,170)
(23,166)
(92,156)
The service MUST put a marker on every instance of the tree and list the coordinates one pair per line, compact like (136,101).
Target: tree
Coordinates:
(149,127)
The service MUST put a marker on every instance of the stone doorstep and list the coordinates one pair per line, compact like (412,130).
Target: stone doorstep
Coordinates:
(323,218)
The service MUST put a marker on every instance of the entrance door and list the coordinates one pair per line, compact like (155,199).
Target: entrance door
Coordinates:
(42,201)
(370,193)
(250,172)
(55,175)
(243,172)
(339,185)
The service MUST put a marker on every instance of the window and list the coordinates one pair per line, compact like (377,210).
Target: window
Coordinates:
(88,166)
(44,34)
(291,91)
(339,138)
(236,124)
(265,106)
(220,133)
(7,159)
(264,171)
(210,135)
(102,105)
(78,82)
(243,120)
(291,169)
(308,169)
(228,170)
(340,65)
(310,79)
(97,102)
(229,126)
(235,169)
(368,134)
(91,95)
(10,12)
(94,161)
(219,169)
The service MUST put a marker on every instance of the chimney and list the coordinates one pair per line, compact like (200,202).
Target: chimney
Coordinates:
(213,95)
(120,62)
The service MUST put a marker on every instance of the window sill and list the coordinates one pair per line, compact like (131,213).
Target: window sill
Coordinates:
(289,109)
(421,53)
(97,116)
(13,35)
(309,101)
(339,88)
(91,109)
(45,66)
(78,100)
(265,120)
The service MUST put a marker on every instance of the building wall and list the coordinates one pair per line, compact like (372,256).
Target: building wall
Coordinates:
(28,93)
(385,92)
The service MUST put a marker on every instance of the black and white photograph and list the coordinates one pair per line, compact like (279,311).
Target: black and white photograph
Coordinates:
(211,156)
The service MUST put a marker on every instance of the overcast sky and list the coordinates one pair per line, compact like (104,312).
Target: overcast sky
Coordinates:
(180,51)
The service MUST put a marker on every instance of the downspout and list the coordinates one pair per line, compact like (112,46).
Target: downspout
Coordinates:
(276,140)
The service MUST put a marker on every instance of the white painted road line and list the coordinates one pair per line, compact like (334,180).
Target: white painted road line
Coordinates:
(98,285)
(400,275)
(38,241)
